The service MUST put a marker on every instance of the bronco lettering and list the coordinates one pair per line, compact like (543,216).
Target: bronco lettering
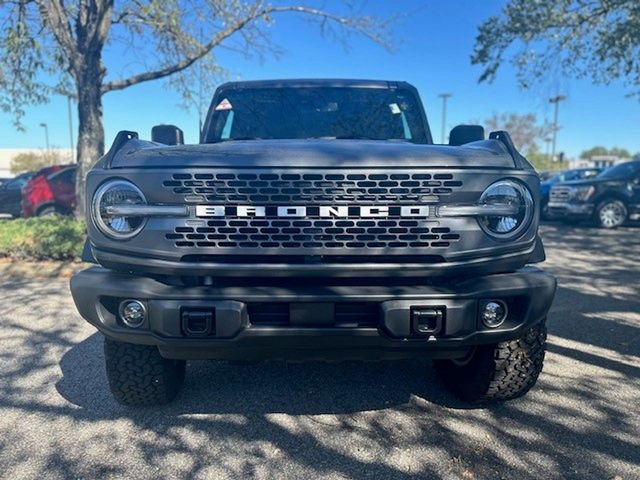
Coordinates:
(311,211)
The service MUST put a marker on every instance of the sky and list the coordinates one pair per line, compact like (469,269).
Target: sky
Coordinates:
(433,44)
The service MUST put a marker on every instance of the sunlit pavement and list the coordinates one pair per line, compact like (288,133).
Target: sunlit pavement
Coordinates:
(346,420)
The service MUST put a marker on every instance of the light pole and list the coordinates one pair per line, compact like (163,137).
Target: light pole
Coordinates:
(444,97)
(556,101)
(547,142)
(46,135)
(200,93)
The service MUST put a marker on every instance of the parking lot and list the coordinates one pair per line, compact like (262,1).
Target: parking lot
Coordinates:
(344,420)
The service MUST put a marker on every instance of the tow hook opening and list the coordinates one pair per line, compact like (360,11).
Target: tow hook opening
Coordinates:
(198,323)
(427,320)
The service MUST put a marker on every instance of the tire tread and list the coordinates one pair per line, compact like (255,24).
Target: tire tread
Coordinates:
(139,376)
(498,372)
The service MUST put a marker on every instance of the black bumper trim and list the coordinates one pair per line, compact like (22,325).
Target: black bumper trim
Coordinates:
(530,289)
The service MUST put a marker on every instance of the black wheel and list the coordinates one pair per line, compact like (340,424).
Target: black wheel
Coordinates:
(491,373)
(139,376)
(50,211)
(611,214)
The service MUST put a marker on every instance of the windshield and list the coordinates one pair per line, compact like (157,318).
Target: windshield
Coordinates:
(18,182)
(623,170)
(317,112)
(574,175)
(557,178)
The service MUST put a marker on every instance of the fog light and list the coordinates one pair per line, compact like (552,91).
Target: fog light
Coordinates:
(494,313)
(132,313)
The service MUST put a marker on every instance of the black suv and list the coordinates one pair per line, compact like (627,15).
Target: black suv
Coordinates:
(610,199)
(11,194)
(316,219)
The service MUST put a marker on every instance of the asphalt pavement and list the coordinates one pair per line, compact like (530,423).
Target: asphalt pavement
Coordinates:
(345,420)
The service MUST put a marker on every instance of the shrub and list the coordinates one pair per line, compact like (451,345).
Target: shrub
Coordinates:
(42,238)
(34,161)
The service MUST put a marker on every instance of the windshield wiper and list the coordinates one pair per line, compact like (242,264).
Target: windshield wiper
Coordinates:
(239,139)
(364,137)
(355,137)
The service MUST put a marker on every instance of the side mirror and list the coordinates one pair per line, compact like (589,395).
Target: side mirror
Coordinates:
(167,134)
(466,134)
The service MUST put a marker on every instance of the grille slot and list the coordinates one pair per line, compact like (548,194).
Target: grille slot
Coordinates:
(312,259)
(560,194)
(346,315)
(268,314)
(364,314)
(301,188)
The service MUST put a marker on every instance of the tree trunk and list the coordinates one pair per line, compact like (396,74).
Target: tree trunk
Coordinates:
(90,129)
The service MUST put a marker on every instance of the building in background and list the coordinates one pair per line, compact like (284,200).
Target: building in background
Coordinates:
(58,156)
(5,163)
(597,161)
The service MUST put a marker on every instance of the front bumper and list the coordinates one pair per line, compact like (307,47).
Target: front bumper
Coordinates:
(570,210)
(315,319)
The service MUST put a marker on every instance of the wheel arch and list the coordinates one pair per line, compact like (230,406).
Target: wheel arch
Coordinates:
(611,195)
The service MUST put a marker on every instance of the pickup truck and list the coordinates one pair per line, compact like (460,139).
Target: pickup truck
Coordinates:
(608,200)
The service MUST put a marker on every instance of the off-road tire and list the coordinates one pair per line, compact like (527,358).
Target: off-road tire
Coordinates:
(497,372)
(617,214)
(139,376)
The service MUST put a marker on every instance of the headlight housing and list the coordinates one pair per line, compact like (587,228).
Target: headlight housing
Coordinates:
(516,201)
(117,193)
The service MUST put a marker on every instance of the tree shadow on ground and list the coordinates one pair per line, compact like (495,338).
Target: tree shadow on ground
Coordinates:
(365,420)
(566,425)
(307,388)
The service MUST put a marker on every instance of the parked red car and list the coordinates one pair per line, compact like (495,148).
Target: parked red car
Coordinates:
(52,191)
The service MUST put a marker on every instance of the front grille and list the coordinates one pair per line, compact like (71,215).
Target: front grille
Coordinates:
(560,194)
(309,233)
(309,188)
(316,234)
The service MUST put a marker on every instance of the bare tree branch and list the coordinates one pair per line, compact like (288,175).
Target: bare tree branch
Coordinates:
(53,13)
(52,47)
(361,25)
(599,39)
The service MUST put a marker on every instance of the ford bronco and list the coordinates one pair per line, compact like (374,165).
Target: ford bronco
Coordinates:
(316,219)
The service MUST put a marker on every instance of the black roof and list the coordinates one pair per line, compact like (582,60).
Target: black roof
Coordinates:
(314,82)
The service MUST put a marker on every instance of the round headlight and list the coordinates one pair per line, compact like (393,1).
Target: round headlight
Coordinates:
(513,207)
(117,193)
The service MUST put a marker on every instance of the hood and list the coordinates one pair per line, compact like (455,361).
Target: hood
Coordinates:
(545,187)
(594,181)
(549,183)
(312,153)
